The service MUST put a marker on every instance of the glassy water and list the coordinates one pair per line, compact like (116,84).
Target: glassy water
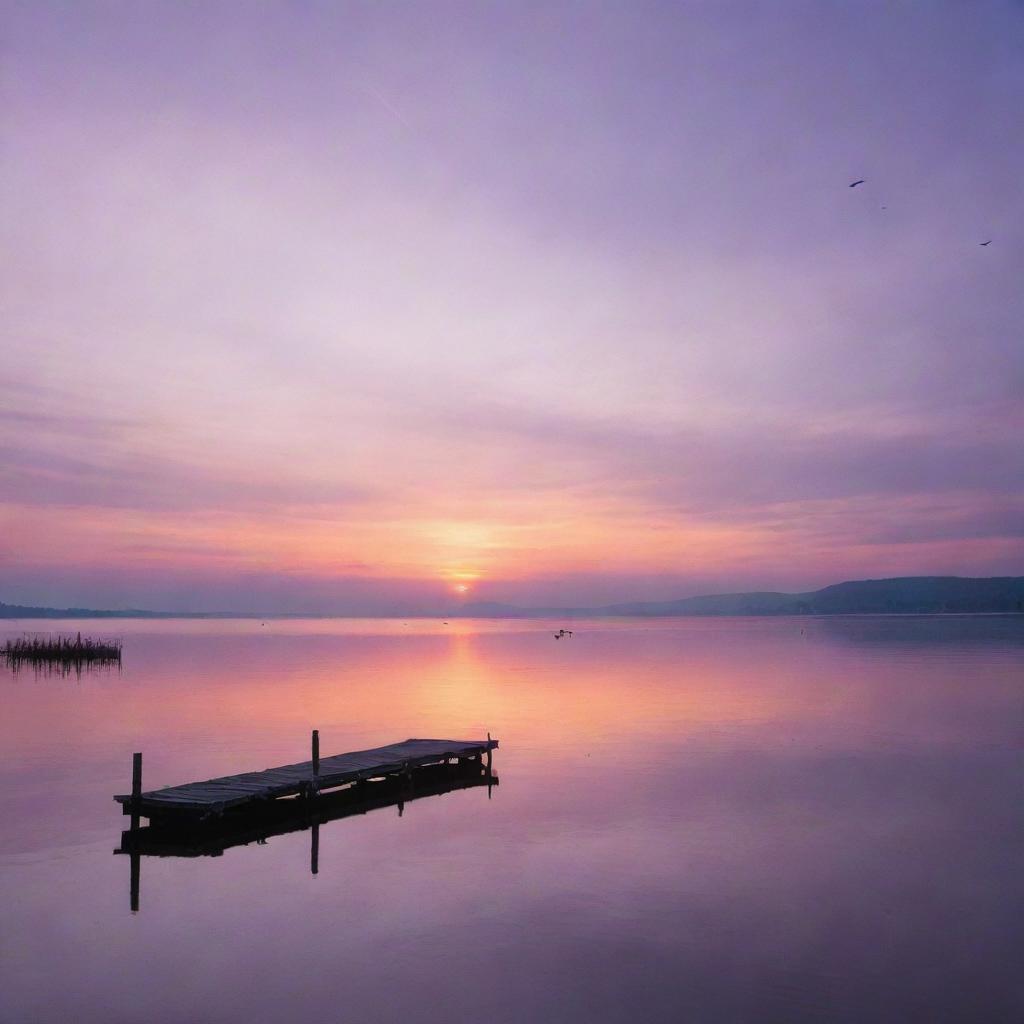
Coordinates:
(705,820)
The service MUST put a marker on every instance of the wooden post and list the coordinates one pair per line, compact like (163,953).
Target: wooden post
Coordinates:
(136,859)
(488,772)
(133,887)
(316,756)
(136,788)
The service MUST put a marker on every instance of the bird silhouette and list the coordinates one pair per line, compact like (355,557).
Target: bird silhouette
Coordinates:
(989,242)
(854,184)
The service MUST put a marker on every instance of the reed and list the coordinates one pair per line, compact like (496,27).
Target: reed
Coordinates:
(61,651)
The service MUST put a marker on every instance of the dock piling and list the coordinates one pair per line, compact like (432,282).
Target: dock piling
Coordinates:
(134,881)
(136,863)
(487,770)
(136,788)
(314,785)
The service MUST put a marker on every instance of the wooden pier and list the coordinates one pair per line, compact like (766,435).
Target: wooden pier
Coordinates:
(206,818)
(214,797)
(214,836)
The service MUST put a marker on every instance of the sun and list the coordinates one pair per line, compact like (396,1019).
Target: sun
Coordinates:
(461,581)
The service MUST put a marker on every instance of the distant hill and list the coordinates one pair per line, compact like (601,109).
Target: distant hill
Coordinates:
(906,595)
(21,611)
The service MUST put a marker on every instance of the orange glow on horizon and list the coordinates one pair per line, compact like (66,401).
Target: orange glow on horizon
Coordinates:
(545,537)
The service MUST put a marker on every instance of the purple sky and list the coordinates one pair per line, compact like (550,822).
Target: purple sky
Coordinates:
(343,307)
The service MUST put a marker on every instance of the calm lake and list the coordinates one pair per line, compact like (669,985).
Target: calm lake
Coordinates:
(708,820)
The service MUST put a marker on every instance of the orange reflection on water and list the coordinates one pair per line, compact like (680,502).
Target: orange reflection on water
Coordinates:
(224,686)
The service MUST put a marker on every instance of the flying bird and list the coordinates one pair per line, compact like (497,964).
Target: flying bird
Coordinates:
(854,184)
(989,242)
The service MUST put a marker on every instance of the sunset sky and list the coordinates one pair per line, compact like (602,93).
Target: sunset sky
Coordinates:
(370,307)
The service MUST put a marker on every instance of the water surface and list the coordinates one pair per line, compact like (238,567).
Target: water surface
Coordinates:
(703,819)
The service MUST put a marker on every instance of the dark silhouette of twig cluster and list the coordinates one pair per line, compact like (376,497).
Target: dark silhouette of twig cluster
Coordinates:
(61,652)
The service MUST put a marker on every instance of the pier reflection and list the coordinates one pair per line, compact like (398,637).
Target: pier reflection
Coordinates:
(252,824)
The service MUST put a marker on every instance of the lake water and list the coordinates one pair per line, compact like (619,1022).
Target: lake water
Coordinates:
(709,820)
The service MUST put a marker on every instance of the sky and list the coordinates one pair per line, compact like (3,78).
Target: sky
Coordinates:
(376,307)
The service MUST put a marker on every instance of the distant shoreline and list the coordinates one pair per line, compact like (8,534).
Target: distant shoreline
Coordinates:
(573,617)
(908,595)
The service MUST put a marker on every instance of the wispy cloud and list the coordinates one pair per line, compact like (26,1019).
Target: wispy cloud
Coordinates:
(362,300)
